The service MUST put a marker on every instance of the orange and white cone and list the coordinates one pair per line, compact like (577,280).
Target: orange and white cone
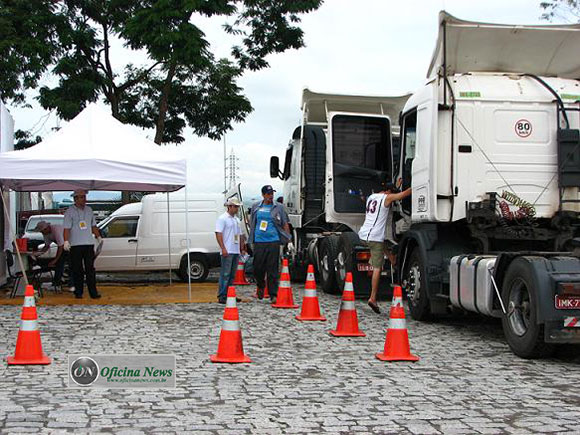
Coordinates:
(284,298)
(230,347)
(28,344)
(397,341)
(240,277)
(397,296)
(310,306)
(347,325)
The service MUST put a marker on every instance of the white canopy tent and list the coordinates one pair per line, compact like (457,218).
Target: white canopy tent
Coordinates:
(94,152)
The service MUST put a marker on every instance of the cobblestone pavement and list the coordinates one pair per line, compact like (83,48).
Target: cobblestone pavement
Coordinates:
(301,380)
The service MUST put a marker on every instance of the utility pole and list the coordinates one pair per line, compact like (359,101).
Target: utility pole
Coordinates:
(225,168)
(231,168)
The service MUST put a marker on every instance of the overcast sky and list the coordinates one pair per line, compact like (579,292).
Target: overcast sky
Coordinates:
(367,47)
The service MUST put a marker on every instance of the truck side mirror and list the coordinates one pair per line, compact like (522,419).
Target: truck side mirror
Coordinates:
(274,167)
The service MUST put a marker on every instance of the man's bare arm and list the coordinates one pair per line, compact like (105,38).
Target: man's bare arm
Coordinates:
(392,197)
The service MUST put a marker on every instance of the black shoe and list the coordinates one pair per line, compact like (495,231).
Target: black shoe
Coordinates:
(78,296)
(222,300)
(238,299)
(273,301)
(260,292)
(374,307)
(97,296)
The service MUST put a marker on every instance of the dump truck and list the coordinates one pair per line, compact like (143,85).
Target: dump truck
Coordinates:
(336,158)
(490,145)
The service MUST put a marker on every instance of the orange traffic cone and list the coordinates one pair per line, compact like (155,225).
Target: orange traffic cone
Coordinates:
(310,305)
(347,325)
(397,296)
(28,345)
(397,341)
(230,348)
(240,278)
(284,298)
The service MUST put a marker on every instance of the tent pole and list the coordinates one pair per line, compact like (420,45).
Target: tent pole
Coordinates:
(9,225)
(187,238)
(169,239)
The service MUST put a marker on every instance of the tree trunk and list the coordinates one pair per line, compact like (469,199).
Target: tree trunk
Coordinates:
(163,104)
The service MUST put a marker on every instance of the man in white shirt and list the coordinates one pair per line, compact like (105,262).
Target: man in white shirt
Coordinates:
(373,233)
(79,228)
(228,233)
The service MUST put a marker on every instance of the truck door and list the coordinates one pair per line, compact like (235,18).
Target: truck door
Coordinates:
(408,142)
(119,251)
(360,152)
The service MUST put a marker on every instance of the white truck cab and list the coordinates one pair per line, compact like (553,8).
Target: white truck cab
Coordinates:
(491,149)
(336,158)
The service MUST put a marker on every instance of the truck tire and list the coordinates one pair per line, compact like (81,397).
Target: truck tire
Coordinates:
(199,268)
(524,335)
(346,243)
(415,277)
(327,254)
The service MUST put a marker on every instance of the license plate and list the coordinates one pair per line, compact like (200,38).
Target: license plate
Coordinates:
(363,267)
(567,302)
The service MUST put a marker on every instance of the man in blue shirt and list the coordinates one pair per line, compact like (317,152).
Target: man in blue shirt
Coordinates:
(269,229)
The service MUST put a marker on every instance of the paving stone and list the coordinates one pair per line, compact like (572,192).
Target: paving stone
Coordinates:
(302,380)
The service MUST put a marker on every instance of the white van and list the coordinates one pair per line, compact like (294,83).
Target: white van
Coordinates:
(136,235)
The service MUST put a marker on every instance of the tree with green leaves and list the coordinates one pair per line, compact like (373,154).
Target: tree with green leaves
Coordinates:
(179,83)
(561,10)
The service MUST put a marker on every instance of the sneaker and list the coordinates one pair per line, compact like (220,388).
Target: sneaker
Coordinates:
(260,293)
(71,289)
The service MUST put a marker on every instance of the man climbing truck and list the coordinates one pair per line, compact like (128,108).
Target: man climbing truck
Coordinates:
(335,159)
(491,148)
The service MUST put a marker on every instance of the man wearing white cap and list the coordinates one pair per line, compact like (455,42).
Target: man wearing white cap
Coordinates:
(79,227)
(228,233)
(53,233)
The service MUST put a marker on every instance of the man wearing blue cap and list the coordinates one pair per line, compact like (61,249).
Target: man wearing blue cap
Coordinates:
(269,229)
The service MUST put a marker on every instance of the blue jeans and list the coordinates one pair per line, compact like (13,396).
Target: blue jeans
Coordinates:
(229,265)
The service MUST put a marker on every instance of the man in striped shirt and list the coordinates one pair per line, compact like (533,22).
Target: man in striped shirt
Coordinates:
(372,232)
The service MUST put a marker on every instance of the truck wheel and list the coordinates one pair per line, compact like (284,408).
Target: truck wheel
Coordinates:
(198,268)
(327,254)
(415,278)
(344,263)
(522,332)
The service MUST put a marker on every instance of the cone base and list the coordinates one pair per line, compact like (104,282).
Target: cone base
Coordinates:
(285,306)
(308,318)
(42,360)
(385,357)
(218,359)
(337,333)
(240,283)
